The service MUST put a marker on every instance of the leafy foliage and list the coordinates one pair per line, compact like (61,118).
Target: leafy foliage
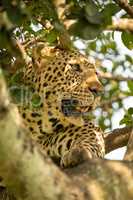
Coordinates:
(91,19)
(127,39)
(128,117)
(37,21)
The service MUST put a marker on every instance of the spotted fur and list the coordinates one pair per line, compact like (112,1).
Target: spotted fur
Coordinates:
(67,84)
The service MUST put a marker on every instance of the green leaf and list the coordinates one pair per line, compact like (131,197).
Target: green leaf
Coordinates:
(130,86)
(109,10)
(127,39)
(91,8)
(130,111)
(92,13)
(126,120)
(92,45)
(84,30)
(129,58)
(52,36)
(96,19)
(74,12)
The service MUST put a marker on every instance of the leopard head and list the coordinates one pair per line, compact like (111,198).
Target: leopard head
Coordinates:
(72,79)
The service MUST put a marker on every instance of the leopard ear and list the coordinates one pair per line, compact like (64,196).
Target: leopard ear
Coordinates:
(48,52)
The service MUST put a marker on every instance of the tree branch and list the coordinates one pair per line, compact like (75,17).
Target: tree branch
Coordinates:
(129,153)
(110,76)
(22,50)
(121,25)
(117,138)
(106,104)
(104,179)
(125,6)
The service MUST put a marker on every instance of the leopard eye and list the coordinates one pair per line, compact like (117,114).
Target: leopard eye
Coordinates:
(76,67)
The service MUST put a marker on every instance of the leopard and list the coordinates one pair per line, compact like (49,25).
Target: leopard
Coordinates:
(68,87)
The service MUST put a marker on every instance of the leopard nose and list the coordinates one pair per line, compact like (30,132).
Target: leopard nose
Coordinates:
(96,87)
(92,82)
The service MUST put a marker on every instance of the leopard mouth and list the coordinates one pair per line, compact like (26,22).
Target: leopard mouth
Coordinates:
(79,103)
(72,107)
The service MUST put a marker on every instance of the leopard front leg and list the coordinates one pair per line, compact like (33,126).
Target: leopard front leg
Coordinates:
(75,145)
(87,144)
(74,156)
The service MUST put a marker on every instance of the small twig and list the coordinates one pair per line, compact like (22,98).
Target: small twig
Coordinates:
(122,25)
(110,76)
(26,58)
(125,6)
(108,103)
(117,138)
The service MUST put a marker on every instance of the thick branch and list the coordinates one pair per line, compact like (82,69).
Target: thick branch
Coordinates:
(105,180)
(125,6)
(117,138)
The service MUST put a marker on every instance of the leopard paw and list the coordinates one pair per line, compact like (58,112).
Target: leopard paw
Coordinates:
(74,157)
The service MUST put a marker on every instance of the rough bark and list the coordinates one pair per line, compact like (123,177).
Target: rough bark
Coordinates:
(129,153)
(125,6)
(31,175)
(27,172)
(117,138)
